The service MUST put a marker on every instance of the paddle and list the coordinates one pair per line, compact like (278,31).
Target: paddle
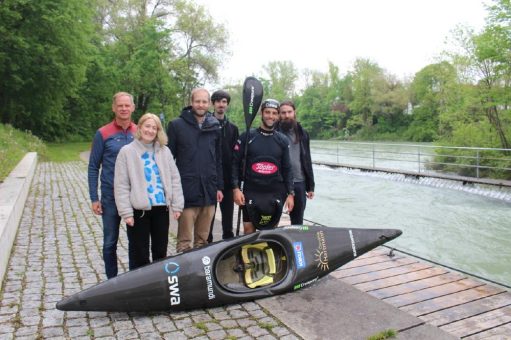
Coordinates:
(252,98)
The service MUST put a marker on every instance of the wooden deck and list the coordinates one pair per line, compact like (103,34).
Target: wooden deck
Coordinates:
(460,305)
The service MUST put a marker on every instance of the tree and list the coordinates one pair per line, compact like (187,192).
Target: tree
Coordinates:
(44,51)
(484,65)
(367,76)
(282,77)
(432,96)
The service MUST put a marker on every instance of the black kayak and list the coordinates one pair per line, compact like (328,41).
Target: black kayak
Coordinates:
(241,269)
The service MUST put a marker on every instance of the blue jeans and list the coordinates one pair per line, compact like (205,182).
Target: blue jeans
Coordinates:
(111,221)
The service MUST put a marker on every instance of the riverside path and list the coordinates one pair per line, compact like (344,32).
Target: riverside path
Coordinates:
(57,252)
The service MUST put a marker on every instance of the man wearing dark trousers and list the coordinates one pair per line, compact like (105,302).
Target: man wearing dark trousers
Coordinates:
(300,155)
(108,140)
(229,135)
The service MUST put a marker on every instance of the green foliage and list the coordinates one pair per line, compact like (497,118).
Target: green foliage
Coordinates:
(14,144)
(282,77)
(44,51)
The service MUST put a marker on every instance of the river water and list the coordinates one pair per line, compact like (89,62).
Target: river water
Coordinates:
(465,230)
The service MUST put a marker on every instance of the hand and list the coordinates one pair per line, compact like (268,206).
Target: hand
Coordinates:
(238,196)
(96,208)
(176,214)
(290,203)
(130,221)
(310,195)
(219,195)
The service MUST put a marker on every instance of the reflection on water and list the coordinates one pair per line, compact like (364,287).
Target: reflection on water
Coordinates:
(463,230)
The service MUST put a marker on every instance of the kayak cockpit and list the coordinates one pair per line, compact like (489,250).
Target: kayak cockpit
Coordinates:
(252,266)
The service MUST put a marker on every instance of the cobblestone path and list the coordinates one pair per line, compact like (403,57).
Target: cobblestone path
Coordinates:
(57,252)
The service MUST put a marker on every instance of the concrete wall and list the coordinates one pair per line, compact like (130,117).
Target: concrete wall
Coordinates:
(13,194)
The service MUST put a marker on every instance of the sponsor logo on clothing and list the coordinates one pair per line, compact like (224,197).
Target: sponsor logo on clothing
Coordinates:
(206,261)
(304,284)
(172,269)
(353,246)
(299,255)
(265,219)
(321,251)
(264,168)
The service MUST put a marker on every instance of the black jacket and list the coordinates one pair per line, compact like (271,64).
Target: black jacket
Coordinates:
(229,136)
(198,155)
(305,156)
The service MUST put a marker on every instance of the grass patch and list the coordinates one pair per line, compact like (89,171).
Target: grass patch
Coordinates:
(266,325)
(386,334)
(202,326)
(14,144)
(66,152)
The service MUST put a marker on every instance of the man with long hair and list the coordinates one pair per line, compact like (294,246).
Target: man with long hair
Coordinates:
(300,155)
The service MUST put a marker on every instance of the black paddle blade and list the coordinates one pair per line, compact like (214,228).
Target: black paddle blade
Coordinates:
(252,98)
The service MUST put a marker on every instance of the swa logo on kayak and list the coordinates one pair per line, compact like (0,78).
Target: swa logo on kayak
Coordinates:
(172,269)
(299,255)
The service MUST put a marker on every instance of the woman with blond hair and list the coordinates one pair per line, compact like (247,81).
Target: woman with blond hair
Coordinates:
(147,189)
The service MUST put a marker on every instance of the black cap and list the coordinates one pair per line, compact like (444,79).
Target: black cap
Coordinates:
(219,95)
(272,103)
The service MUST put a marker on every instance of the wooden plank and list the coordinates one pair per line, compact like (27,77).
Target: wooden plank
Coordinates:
(413,286)
(499,333)
(374,267)
(433,292)
(452,300)
(479,323)
(381,274)
(459,312)
(398,279)
(370,260)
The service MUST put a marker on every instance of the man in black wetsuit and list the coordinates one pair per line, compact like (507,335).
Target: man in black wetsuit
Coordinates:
(268,179)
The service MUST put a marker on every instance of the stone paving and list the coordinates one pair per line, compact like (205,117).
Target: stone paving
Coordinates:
(57,252)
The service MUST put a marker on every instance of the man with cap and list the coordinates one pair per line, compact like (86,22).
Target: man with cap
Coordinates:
(229,135)
(268,177)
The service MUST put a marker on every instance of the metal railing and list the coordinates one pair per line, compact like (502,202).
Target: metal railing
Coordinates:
(418,158)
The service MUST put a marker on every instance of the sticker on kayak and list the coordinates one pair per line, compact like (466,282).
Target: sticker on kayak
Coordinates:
(297,227)
(172,269)
(305,284)
(299,255)
(264,168)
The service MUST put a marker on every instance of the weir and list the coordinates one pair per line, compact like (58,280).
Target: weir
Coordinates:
(492,188)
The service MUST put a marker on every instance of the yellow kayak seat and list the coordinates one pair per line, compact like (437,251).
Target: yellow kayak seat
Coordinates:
(259,263)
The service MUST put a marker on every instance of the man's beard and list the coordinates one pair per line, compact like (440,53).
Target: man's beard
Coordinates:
(288,125)
(202,114)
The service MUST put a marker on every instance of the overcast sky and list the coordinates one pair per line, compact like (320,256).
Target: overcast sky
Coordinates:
(402,36)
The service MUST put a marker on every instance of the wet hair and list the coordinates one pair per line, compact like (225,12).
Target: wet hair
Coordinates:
(219,95)
(161,136)
(122,94)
